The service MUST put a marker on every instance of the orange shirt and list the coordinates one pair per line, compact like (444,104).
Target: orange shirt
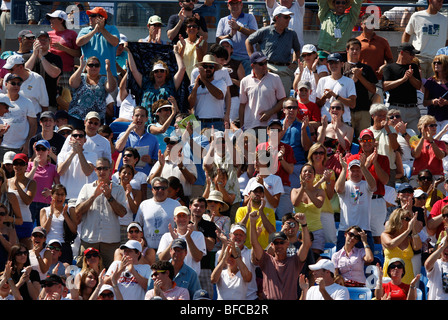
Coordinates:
(374,52)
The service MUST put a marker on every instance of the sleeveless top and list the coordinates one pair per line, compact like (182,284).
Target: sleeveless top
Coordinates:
(57,226)
(312,214)
(24,208)
(406,255)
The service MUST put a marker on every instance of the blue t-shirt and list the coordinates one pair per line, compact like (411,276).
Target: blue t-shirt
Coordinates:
(99,47)
(293,137)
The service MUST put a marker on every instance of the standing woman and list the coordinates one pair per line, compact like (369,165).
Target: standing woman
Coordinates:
(309,200)
(63,44)
(90,90)
(157,84)
(44,173)
(26,279)
(133,199)
(435,89)
(25,190)
(9,199)
(325,179)
(54,217)
(400,239)
(335,136)
(193,48)
(8,237)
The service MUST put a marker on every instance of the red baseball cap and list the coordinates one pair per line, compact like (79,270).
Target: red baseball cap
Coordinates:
(90,250)
(20,156)
(97,10)
(366,132)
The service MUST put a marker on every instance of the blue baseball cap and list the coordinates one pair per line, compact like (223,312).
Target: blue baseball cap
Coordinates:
(334,57)
(257,56)
(44,143)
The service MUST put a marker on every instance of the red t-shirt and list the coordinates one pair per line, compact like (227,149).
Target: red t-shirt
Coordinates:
(309,109)
(289,157)
(397,292)
(428,159)
(384,164)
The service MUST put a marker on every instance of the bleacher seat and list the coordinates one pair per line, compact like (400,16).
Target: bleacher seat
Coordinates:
(329,249)
(354,149)
(118,127)
(278,225)
(360,293)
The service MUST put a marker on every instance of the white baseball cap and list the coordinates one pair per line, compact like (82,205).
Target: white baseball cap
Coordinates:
(282,10)
(323,264)
(58,14)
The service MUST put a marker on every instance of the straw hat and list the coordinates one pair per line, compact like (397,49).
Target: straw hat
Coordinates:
(208,58)
(216,195)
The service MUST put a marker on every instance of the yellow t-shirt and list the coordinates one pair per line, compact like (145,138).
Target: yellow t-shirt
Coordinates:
(263,239)
(326,207)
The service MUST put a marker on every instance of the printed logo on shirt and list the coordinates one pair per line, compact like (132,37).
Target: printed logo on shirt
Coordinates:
(431,30)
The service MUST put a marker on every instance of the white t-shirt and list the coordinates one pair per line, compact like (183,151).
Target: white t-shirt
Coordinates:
(17,118)
(198,239)
(384,147)
(74,178)
(171,169)
(344,86)
(136,182)
(127,283)
(430,32)
(308,75)
(126,106)
(231,288)
(272,183)
(336,291)
(34,88)
(435,288)
(355,205)
(154,217)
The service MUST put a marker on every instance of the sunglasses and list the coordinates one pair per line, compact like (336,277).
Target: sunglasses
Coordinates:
(352,235)
(19,163)
(396,266)
(367,140)
(159,188)
(284,16)
(395,116)
(336,108)
(156,273)
(41,149)
(38,235)
(93,65)
(159,71)
(422,198)
(208,66)
(128,155)
(107,295)
(280,242)
(157,25)
(78,135)
(54,248)
(192,26)
(425,178)
(437,62)
(172,143)
(65,133)
(318,153)
(263,63)
(92,255)
(21,253)
(102,168)
(406,219)
(307,54)
(291,108)
(94,15)
(432,125)
(13,83)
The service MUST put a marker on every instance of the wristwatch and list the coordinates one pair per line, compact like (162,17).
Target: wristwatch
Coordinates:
(110,199)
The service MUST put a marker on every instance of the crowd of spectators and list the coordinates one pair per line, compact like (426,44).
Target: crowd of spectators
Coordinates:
(252,166)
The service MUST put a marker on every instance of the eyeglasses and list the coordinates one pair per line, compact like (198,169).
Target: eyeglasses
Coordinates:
(263,63)
(160,188)
(192,26)
(159,71)
(156,273)
(208,66)
(13,83)
(54,248)
(395,116)
(41,149)
(92,255)
(352,235)
(93,65)
(21,253)
(102,168)
(78,135)
(128,155)
(425,178)
(366,140)
(19,163)
(336,108)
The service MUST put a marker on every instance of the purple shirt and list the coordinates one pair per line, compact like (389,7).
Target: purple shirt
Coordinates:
(351,267)
(44,177)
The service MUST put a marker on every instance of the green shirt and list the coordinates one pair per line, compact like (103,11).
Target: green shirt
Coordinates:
(330,22)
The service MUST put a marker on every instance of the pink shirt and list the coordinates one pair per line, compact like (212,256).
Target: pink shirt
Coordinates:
(350,266)
(44,177)
(68,39)
(259,96)
(175,293)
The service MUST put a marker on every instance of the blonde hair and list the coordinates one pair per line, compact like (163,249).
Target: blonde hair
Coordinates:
(316,146)
(395,222)
(425,120)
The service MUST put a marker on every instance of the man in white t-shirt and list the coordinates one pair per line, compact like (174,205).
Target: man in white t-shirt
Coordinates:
(207,95)
(21,117)
(355,197)
(33,86)
(75,167)
(195,240)
(157,213)
(430,29)
(295,6)
(436,266)
(325,288)
(131,277)
(336,87)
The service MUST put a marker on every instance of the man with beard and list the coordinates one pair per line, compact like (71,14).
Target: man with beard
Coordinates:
(266,216)
(207,96)
(176,25)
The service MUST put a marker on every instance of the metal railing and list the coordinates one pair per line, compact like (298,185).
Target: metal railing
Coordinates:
(136,13)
